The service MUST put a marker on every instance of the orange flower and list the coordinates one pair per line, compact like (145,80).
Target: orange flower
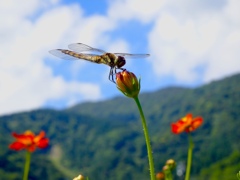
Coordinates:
(187,124)
(29,141)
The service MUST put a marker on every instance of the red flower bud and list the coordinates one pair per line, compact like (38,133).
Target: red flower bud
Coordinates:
(128,83)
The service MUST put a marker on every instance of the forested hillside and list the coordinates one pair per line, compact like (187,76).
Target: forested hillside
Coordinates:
(104,140)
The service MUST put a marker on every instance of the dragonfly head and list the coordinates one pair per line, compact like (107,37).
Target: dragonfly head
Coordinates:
(121,61)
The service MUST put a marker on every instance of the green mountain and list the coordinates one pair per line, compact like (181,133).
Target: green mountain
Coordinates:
(104,140)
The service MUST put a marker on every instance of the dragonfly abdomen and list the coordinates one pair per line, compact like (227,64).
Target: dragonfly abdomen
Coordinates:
(95,59)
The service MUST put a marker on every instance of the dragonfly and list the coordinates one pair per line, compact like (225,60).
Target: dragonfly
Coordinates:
(77,51)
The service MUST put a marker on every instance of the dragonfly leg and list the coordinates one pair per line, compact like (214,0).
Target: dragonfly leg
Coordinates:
(122,69)
(113,71)
(110,76)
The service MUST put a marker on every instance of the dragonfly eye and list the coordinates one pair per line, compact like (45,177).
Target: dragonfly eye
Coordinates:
(121,61)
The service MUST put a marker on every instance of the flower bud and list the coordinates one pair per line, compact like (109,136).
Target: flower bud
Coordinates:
(171,163)
(128,83)
(80,177)
(166,168)
(160,176)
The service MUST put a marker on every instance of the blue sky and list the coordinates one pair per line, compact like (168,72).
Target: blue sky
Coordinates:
(191,43)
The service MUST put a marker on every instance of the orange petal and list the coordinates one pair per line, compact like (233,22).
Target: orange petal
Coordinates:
(189,115)
(39,137)
(177,128)
(17,146)
(197,122)
(43,143)
(187,119)
(24,139)
(31,148)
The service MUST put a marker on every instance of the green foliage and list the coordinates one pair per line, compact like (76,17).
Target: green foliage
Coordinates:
(104,140)
(226,168)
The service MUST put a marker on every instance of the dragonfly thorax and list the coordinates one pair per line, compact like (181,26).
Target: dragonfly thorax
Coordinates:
(114,61)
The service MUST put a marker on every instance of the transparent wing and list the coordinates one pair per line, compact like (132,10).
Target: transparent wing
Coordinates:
(79,47)
(71,55)
(127,55)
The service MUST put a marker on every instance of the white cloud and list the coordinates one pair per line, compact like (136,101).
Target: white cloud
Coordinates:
(26,82)
(224,57)
(32,89)
(180,41)
(140,10)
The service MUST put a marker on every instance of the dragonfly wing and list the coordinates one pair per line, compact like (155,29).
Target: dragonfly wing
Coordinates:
(127,55)
(79,47)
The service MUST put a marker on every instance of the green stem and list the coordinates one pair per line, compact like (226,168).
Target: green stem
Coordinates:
(27,165)
(168,175)
(147,138)
(189,160)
